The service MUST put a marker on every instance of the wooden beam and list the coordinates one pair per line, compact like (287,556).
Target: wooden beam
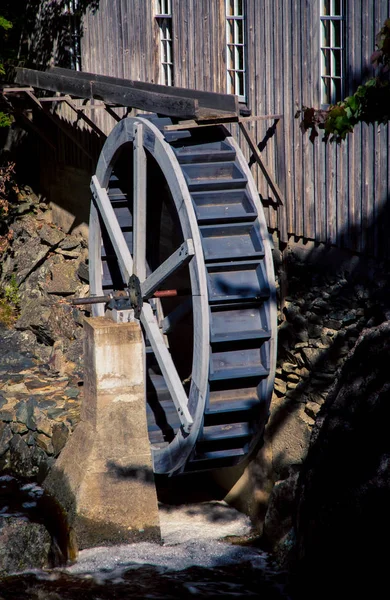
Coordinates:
(208,100)
(256,153)
(177,260)
(167,366)
(260,118)
(114,231)
(123,95)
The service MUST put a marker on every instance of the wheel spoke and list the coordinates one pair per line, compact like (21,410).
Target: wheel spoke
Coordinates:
(114,231)
(139,206)
(167,367)
(177,260)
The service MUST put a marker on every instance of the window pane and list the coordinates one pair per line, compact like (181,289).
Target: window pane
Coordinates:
(325,91)
(325,33)
(239,8)
(336,34)
(239,32)
(230,32)
(230,57)
(325,7)
(230,7)
(325,62)
(337,89)
(231,82)
(240,84)
(336,63)
(240,58)
(337,7)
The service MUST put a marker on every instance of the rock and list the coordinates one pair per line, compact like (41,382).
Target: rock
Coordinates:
(279,517)
(6,436)
(44,442)
(20,456)
(63,280)
(27,256)
(70,242)
(60,437)
(23,545)
(83,272)
(342,519)
(49,320)
(51,235)
(311,356)
(25,413)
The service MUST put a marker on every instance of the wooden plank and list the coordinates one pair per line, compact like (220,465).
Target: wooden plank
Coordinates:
(288,115)
(167,366)
(260,118)
(122,95)
(342,194)
(206,99)
(331,217)
(116,236)
(178,259)
(296,100)
(139,199)
(273,185)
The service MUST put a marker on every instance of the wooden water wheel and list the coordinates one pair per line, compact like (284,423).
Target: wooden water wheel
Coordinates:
(179,211)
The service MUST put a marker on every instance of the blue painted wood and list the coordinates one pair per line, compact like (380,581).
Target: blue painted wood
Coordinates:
(223,206)
(234,323)
(236,281)
(214,176)
(212,152)
(236,241)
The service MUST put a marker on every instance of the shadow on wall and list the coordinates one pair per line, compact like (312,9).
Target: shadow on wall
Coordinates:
(50,30)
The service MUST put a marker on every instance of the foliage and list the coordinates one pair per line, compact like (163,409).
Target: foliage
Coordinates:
(369,104)
(8,188)
(9,302)
(8,314)
(11,292)
(5,120)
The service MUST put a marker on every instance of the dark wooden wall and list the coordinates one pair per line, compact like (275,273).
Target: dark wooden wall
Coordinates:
(333,194)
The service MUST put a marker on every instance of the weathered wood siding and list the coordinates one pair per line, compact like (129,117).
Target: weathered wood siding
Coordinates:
(334,194)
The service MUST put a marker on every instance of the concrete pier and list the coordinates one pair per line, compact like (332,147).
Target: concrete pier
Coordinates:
(104,478)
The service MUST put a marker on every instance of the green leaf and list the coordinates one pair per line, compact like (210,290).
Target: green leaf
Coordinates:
(4,23)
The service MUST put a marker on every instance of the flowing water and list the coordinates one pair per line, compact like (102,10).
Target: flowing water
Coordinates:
(207,552)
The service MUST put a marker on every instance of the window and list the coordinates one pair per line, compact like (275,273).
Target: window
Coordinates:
(235,48)
(71,10)
(164,21)
(332,51)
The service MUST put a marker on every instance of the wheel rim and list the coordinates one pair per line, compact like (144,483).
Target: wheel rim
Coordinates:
(144,216)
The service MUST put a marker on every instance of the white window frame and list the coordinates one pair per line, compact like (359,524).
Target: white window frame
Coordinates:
(331,47)
(236,48)
(163,18)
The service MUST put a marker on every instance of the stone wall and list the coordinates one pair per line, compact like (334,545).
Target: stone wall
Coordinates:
(41,353)
(327,300)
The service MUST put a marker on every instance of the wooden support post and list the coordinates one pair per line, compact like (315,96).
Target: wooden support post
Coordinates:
(265,170)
